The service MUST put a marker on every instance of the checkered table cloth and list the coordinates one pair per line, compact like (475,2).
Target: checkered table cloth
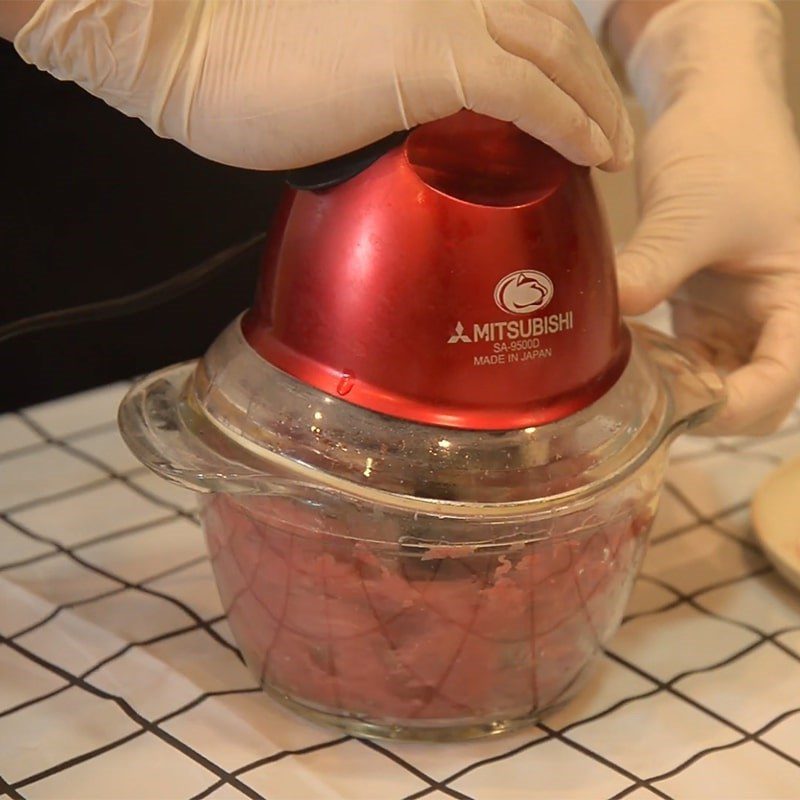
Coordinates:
(119,679)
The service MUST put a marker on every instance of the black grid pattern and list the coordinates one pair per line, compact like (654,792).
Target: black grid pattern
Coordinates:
(404,771)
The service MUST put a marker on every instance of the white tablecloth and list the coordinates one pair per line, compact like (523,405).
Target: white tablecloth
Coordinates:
(118,678)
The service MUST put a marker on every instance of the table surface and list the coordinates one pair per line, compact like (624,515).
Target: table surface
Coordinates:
(118,678)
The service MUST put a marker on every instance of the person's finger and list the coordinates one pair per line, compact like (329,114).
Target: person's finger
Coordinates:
(622,141)
(507,87)
(723,332)
(574,63)
(568,14)
(763,392)
(662,253)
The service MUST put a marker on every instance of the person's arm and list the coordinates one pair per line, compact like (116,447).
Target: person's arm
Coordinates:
(719,190)
(14,14)
(618,23)
(285,84)
(626,20)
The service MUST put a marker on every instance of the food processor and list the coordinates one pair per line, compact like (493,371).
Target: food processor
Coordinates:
(429,455)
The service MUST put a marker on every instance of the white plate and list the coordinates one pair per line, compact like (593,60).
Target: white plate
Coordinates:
(776,519)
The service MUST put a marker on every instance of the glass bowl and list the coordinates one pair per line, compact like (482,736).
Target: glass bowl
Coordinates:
(407,581)
(396,637)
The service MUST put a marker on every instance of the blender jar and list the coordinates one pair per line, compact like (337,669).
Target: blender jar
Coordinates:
(429,455)
(404,580)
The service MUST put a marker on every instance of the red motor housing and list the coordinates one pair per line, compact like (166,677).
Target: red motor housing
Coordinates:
(464,279)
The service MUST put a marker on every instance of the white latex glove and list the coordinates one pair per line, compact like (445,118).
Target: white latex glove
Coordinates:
(719,185)
(286,83)
(595,13)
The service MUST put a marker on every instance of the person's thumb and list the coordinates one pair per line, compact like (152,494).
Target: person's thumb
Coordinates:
(662,253)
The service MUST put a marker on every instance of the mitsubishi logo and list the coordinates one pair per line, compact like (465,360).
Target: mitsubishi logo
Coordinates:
(523,292)
(459,335)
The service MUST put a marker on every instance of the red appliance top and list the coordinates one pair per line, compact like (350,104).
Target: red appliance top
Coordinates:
(465,279)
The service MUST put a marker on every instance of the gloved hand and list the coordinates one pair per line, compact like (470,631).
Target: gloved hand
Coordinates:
(287,83)
(719,185)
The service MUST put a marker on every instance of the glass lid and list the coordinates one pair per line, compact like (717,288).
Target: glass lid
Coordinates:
(231,422)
